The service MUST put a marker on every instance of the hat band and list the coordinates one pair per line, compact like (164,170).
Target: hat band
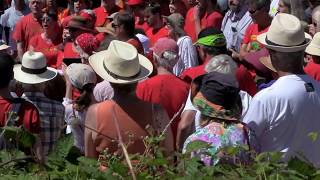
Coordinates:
(115,76)
(33,71)
(275,44)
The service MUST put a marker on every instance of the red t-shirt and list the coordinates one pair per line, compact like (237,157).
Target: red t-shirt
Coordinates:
(313,70)
(154,35)
(212,20)
(144,26)
(244,77)
(251,34)
(137,44)
(168,91)
(25,29)
(28,115)
(102,14)
(49,49)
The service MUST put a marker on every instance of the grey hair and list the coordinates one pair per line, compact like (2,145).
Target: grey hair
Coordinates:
(167,60)
(222,64)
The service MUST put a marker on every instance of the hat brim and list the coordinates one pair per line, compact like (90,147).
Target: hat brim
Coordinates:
(312,50)
(266,61)
(27,78)
(96,62)
(262,39)
(105,30)
(4,47)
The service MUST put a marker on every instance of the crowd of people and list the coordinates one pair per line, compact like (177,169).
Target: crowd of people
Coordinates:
(226,72)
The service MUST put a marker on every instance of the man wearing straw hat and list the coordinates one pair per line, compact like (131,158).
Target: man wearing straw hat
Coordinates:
(285,116)
(33,73)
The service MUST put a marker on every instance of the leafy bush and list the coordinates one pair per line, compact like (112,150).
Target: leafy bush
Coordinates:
(66,163)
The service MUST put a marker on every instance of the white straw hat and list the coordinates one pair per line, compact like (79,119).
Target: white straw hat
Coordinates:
(121,63)
(314,46)
(33,69)
(285,34)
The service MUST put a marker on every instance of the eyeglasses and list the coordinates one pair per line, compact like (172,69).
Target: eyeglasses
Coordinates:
(113,25)
(46,19)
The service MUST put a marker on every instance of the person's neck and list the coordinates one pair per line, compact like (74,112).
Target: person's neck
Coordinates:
(162,71)
(266,22)
(297,71)
(124,37)
(5,93)
(122,98)
(36,16)
(158,25)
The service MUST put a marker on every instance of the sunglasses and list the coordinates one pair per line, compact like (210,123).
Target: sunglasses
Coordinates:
(113,25)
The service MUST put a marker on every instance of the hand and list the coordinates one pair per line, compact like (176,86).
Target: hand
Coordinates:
(312,29)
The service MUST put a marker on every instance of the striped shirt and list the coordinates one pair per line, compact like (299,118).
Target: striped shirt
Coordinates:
(234,26)
(51,119)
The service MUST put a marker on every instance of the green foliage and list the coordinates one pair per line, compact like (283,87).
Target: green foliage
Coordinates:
(65,162)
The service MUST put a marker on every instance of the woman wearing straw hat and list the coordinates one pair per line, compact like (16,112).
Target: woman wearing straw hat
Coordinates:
(113,121)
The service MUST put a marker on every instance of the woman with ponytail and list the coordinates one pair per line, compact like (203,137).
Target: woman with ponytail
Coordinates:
(83,78)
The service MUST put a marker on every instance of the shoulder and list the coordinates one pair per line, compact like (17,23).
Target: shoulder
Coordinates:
(215,15)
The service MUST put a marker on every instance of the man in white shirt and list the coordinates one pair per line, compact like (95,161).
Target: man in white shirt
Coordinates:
(285,116)
(235,23)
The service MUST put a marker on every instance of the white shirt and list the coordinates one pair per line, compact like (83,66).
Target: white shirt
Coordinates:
(282,116)
(187,55)
(9,19)
(234,26)
(245,99)
(274,7)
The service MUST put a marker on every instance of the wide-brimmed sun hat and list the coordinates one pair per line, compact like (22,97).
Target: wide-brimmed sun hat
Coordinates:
(33,69)
(121,63)
(314,47)
(80,23)
(285,34)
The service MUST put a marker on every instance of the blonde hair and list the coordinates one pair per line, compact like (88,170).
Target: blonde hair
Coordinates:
(222,64)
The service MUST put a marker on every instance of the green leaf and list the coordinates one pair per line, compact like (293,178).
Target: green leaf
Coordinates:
(313,136)
(63,146)
(196,145)
(301,167)
(26,139)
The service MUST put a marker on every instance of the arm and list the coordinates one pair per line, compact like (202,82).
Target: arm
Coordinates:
(89,134)
(185,127)
(20,50)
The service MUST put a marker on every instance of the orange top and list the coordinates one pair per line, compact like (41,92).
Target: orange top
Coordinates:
(108,112)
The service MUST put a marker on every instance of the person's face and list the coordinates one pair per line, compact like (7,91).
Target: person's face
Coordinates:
(78,6)
(149,18)
(282,8)
(35,6)
(170,30)
(51,3)
(118,28)
(201,3)
(234,5)
(137,10)
(201,52)
(256,14)
(109,4)
(46,22)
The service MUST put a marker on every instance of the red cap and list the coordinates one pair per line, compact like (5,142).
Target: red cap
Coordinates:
(134,2)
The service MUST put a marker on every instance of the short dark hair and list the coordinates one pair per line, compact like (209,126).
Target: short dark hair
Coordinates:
(261,4)
(293,60)
(6,70)
(154,8)
(127,20)
(212,50)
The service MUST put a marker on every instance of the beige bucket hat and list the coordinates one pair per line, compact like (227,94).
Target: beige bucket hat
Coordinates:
(285,34)
(33,69)
(121,63)
(314,47)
